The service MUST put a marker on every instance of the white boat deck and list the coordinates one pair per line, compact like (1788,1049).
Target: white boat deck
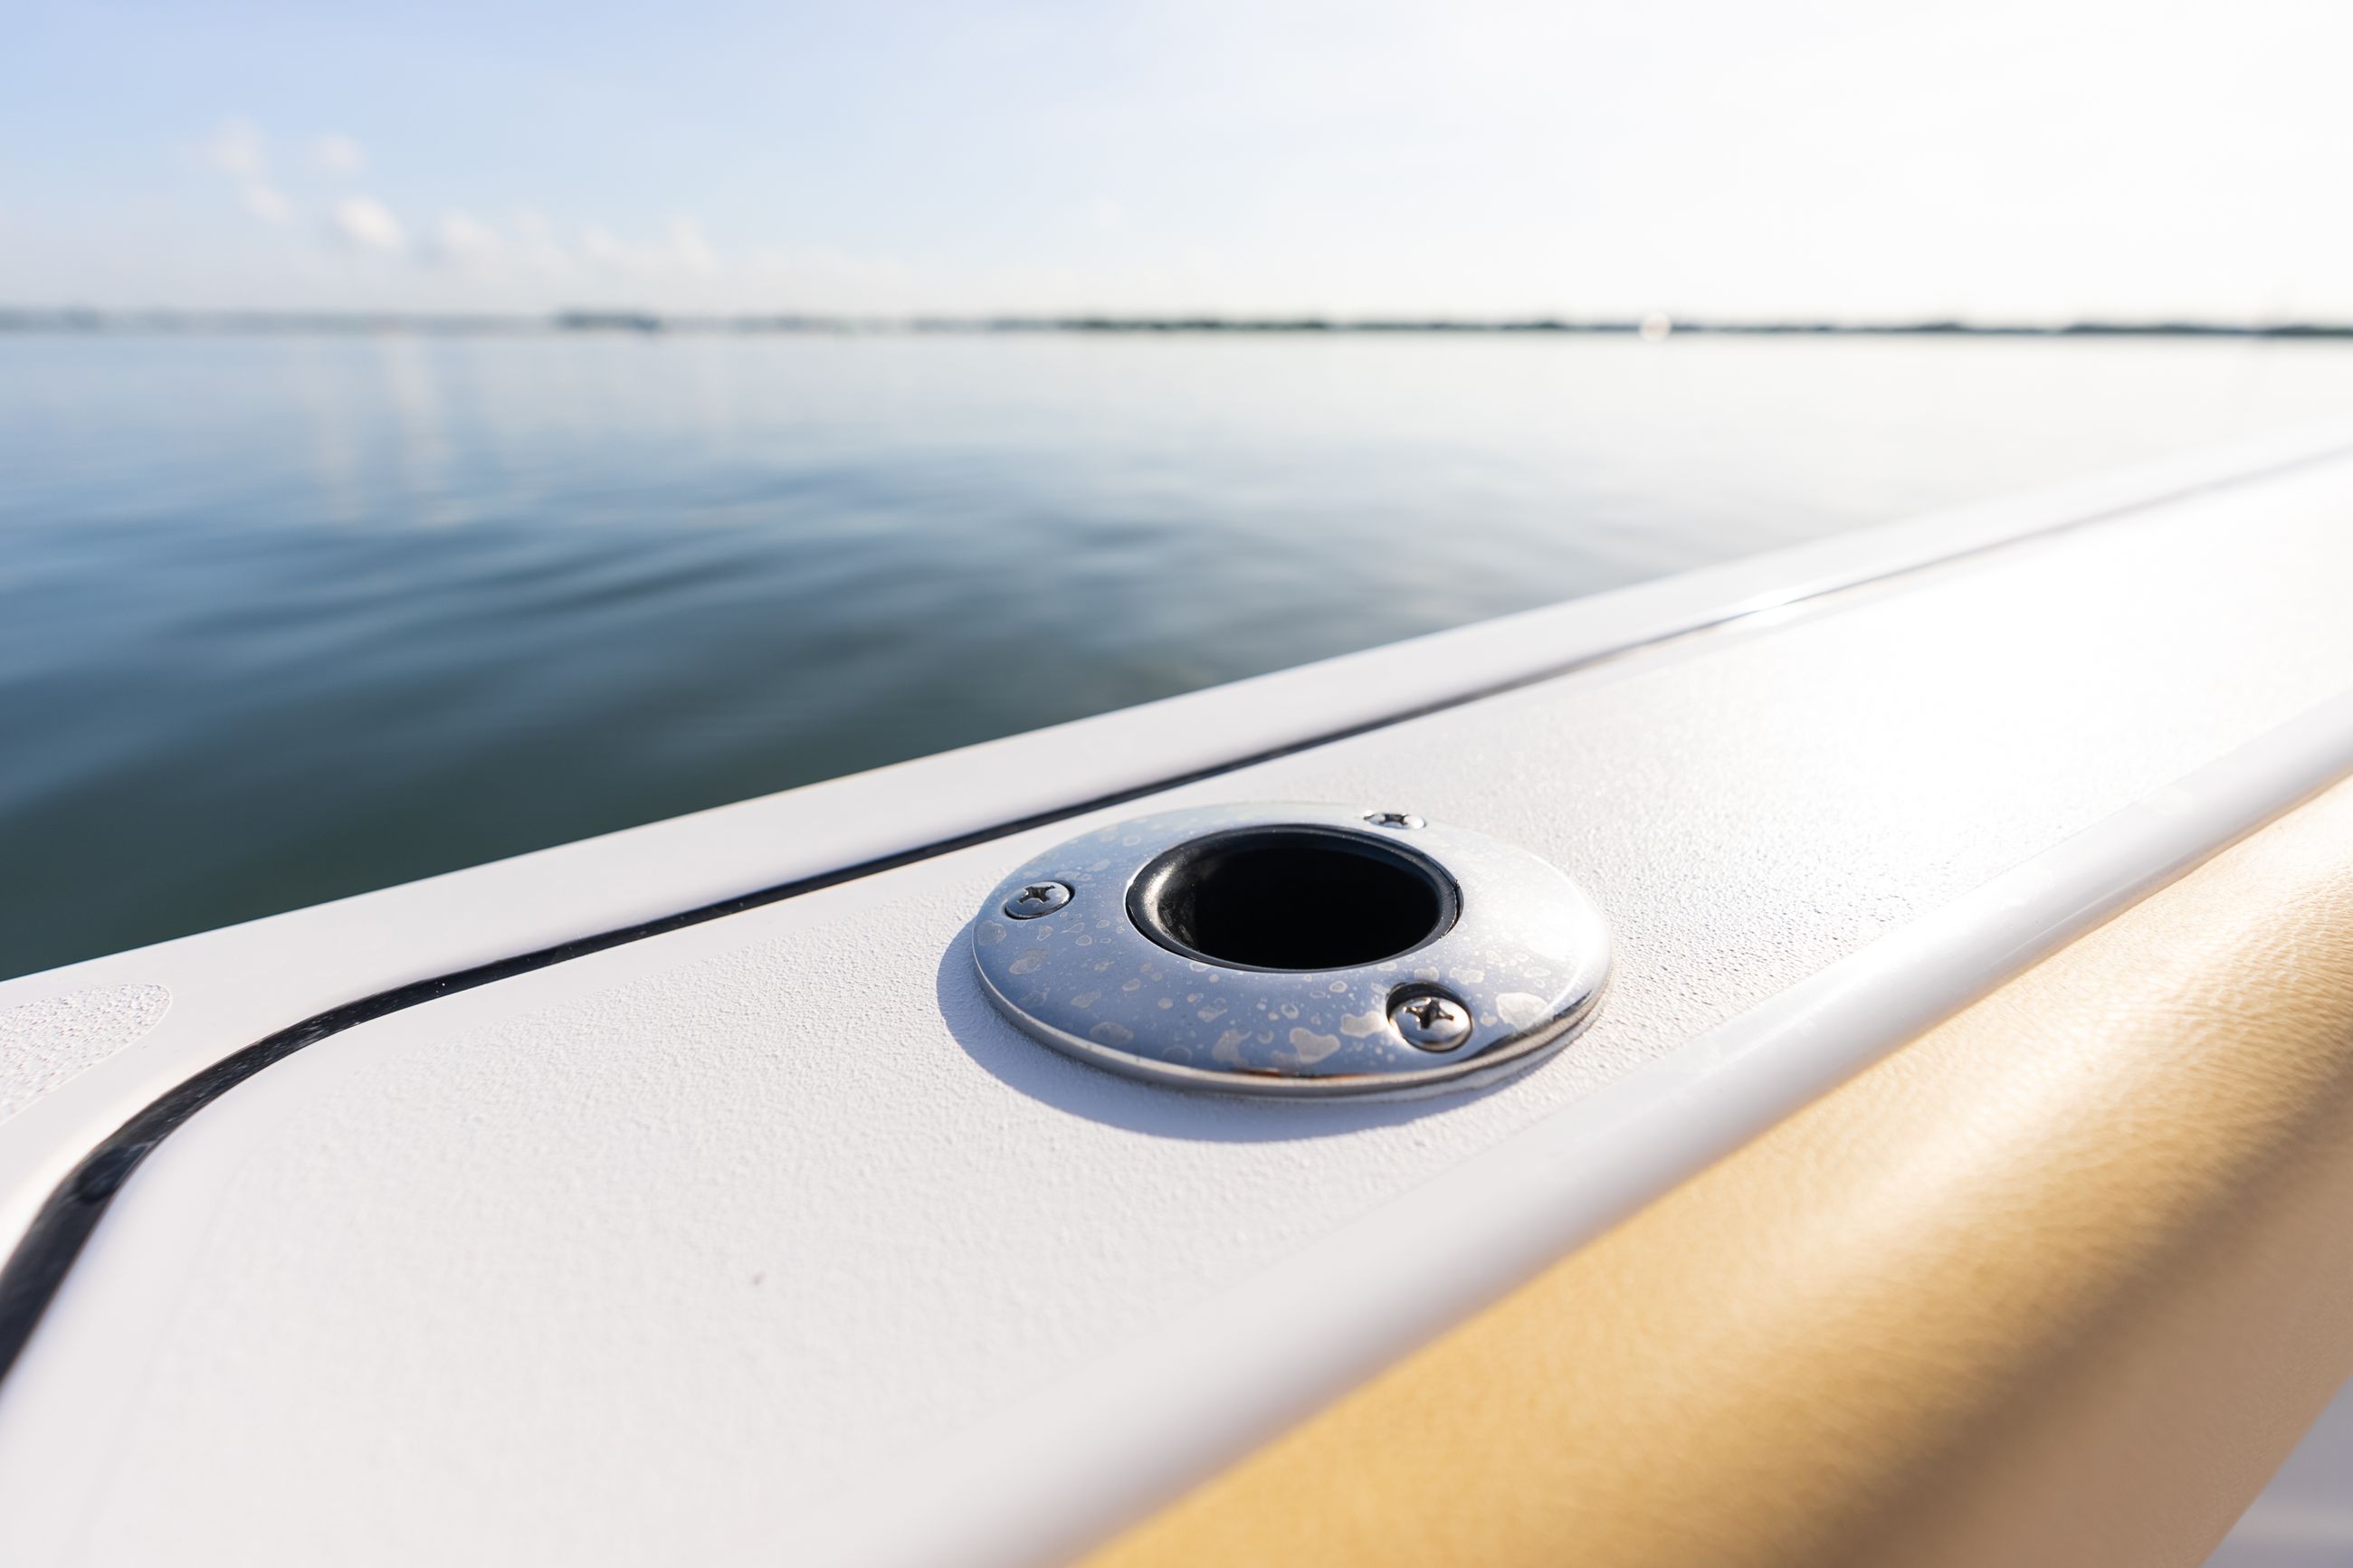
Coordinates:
(765,1238)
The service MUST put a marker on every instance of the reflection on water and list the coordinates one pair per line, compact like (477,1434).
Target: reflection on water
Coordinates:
(285,618)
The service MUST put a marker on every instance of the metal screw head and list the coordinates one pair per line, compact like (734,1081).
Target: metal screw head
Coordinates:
(1430,1021)
(1037,898)
(1393,819)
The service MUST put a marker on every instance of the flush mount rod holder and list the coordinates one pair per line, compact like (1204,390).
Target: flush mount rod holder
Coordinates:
(1295,950)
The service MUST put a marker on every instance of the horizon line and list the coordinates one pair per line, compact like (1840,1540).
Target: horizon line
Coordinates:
(1656,325)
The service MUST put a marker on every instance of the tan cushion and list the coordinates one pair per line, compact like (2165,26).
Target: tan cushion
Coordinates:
(2060,1282)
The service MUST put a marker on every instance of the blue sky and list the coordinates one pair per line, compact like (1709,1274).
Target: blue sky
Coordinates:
(2043,160)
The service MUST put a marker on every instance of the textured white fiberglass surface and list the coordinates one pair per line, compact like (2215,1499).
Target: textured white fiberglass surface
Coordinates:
(655,1251)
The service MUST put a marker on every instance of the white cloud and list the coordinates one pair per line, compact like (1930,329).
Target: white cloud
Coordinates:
(362,221)
(599,247)
(690,250)
(234,148)
(463,240)
(237,150)
(682,252)
(265,202)
(338,155)
(536,246)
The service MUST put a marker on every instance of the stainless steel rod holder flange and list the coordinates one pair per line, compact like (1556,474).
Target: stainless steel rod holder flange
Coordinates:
(1295,950)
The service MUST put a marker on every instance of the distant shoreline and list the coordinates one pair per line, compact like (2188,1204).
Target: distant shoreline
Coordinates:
(70,321)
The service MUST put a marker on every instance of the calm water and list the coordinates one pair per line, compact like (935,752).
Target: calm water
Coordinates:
(282,619)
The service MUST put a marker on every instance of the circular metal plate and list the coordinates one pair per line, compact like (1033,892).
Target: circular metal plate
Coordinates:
(1523,954)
